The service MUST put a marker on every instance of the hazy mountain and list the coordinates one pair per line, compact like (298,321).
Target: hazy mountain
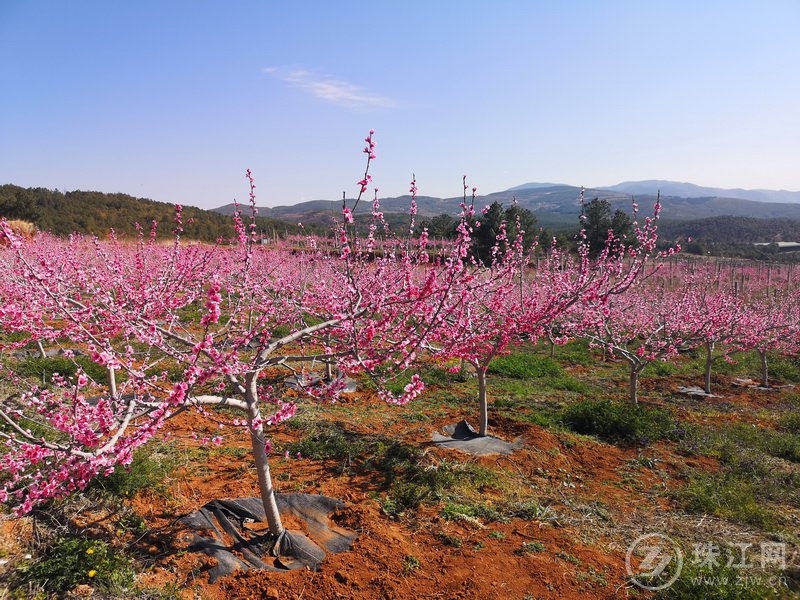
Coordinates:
(558,205)
(690,190)
(533,185)
(327,211)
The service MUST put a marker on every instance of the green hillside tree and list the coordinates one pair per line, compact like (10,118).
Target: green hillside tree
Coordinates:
(598,221)
(485,235)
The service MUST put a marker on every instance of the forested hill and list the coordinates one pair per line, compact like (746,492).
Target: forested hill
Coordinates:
(732,236)
(63,213)
(734,229)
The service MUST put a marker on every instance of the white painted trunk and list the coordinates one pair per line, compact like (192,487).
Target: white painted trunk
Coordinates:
(482,401)
(261,459)
(709,362)
(633,389)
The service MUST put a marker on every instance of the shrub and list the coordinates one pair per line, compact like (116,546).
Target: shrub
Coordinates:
(148,470)
(619,422)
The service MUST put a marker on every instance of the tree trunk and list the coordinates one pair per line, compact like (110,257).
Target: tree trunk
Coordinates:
(258,441)
(709,362)
(328,365)
(634,385)
(552,349)
(484,419)
(764,369)
(112,383)
(42,353)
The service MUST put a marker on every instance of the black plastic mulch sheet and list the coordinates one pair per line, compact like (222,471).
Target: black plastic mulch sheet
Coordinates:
(227,537)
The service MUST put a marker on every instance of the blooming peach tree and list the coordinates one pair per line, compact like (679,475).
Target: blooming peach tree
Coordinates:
(190,327)
(508,301)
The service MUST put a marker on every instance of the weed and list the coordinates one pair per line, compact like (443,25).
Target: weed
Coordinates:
(231,451)
(568,557)
(645,462)
(529,510)
(410,563)
(576,352)
(443,377)
(15,336)
(451,540)
(170,591)
(529,548)
(408,476)
(73,561)
(416,418)
(593,576)
(133,523)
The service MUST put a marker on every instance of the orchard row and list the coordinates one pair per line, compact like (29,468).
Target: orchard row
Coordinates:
(187,326)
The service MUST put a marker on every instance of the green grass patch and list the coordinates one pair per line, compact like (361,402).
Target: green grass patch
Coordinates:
(719,582)
(619,422)
(755,474)
(574,352)
(443,377)
(409,477)
(14,337)
(790,422)
(780,367)
(662,368)
(522,365)
(544,416)
(726,495)
(734,443)
(43,369)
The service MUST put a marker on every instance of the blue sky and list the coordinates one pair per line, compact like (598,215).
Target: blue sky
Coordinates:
(174,100)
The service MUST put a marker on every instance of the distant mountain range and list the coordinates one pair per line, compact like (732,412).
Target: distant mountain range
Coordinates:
(717,224)
(557,205)
(690,190)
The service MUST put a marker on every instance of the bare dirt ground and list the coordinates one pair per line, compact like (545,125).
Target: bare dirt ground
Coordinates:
(597,497)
